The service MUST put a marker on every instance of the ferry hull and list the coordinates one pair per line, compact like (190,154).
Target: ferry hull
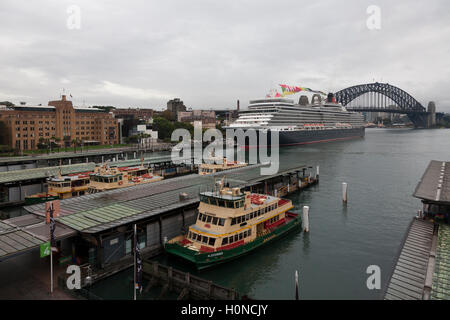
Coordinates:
(210,259)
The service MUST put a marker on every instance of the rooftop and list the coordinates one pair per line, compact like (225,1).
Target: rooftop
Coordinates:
(435,183)
(101,211)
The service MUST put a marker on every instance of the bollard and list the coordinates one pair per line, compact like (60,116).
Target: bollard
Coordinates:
(344,192)
(296,285)
(305,218)
(317,173)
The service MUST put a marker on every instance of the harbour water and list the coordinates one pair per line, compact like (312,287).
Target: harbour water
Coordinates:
(382,171)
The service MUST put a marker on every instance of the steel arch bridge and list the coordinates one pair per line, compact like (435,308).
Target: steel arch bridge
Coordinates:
(406,104)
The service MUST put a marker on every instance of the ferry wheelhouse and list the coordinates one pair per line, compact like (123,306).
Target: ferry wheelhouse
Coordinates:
(62,187)
(231,223)
(210,168)
(106,178)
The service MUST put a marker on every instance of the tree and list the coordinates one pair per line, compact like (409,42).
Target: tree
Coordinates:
(74,143)
(7,103)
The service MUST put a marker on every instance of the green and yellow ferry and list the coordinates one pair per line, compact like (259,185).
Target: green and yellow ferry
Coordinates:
(230,224)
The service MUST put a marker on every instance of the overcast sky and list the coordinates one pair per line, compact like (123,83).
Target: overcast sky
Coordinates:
(211,53)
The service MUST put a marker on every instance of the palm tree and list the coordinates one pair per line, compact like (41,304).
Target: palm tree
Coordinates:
(58,140)
(74,142)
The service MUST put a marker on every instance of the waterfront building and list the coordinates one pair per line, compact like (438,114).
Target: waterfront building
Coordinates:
(175,106)
(26,126)
(206,118)
(133,113)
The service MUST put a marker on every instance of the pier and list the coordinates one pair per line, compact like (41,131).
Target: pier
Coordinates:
(98,227)
(17,184)
(423,264)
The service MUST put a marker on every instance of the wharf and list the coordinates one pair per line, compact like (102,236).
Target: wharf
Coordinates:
(102,223)
(16,185)
(422,271)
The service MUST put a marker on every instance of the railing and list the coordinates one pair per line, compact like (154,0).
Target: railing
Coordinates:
(182,282)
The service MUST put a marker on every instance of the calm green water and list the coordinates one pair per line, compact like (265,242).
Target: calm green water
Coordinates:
(382,171)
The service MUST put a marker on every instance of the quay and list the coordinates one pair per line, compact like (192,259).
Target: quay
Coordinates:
(422,269)
(16,185)
(96,230)
(82,156)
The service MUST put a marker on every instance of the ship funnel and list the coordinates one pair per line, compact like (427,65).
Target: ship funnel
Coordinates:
(303,100)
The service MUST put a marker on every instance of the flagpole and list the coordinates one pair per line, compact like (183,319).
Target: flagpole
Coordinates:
(135,244)
(51,251)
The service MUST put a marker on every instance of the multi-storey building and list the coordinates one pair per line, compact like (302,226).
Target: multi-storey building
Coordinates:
(133,113)
(207,118)
(26,125)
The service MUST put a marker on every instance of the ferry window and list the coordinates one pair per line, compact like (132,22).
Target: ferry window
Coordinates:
(230,204)
(236,204)
(245,234)
(200,215)
(221,221)
(120,177)
(194,236)
(208,219)
(224,241)
(221,203)
(215,219)
(203,218)
(204,199)
(247,217)
(230,239)
(241,203)
(249,233)
(239,219)
(205,239)
(212,241)
(233,221)
(240,236)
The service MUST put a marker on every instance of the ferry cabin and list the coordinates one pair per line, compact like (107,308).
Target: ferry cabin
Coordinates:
(68,186)
(230,219)
(210,168)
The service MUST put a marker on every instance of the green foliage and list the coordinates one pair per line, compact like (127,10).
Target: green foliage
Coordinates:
(166,127)
(7,103)
(446,120)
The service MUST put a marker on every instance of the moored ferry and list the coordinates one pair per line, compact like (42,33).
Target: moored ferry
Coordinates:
(106,178)
(62,187)
(232,223)
(210,168)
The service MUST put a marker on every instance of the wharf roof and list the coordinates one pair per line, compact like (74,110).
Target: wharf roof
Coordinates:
(408,279)
(435,183)
(40,173)
(64,155)
(28,232)
(440,289)
(97,212)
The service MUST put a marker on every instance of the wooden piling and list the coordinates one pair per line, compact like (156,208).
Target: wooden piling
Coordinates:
(344,192)
(305,218)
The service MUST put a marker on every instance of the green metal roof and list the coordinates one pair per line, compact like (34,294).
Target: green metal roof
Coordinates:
(101,211)
(441,277)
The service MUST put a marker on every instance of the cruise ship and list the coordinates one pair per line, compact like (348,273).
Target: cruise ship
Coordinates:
(322,120)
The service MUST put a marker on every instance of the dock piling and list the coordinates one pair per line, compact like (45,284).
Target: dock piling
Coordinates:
(305,218)
(296,285)
(344,192)
(317,173)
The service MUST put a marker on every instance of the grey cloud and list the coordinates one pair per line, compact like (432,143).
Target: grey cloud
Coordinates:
(210,53)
